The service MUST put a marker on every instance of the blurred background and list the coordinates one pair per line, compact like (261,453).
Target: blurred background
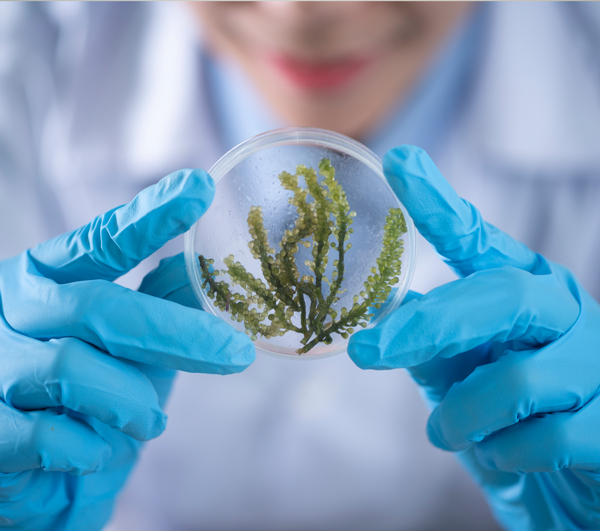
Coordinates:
(99,100)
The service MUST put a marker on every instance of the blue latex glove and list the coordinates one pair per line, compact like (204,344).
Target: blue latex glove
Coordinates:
(508,356)
(86,365)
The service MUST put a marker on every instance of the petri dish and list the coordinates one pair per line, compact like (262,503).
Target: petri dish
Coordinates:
(247,176)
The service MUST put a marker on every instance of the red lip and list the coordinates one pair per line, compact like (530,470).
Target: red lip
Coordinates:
(323,75)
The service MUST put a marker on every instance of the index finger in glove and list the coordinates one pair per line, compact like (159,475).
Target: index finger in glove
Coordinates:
(125,323)
(498,305)
(115,242)
(452,225)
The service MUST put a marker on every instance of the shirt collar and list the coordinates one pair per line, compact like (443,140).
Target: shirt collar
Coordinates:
(426,116)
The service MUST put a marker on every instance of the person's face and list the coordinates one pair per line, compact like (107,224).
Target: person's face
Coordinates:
(335,65)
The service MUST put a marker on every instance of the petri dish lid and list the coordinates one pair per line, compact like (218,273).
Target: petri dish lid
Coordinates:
(247,176)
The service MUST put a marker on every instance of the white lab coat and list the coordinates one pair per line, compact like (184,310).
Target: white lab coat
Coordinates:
(94,107)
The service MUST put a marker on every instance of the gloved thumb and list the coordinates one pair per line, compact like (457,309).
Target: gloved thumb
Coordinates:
(115,242)
(466,242)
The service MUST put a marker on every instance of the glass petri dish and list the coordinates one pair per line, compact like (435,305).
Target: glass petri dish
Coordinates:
(247,176)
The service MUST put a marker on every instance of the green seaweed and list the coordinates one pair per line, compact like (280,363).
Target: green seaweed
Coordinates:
(324,223)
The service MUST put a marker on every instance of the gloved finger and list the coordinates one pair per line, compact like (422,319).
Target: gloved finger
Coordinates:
(125,323)
(437,376)
(451,224)
(169,281)
(50,441)
(160,378)
(497,305)
(115,242)
(68,372)
(503,393)
(545,444)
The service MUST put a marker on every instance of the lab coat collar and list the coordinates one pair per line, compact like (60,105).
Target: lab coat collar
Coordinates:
(536,108)
(171,121)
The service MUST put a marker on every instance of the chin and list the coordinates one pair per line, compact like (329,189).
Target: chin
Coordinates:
(335,112)
(339,107)
(339,124)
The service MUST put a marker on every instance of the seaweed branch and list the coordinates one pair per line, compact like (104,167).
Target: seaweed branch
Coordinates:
(305,304)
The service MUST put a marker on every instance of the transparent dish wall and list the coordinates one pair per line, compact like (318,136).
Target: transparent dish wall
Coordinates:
(247,176)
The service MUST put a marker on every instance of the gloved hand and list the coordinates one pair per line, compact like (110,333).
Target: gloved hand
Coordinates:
(86,365)
(508,356)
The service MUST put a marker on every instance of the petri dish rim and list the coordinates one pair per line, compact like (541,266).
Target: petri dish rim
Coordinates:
(305,136)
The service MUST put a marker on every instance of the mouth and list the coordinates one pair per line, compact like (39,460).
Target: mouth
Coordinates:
(325,75)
